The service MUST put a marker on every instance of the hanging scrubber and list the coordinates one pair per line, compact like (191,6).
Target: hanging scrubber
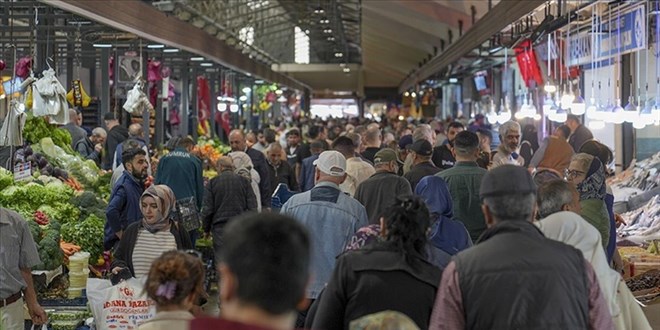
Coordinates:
(77,96)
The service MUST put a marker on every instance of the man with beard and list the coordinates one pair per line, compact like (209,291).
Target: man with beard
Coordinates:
(124,206)
(442,155)
(507,152)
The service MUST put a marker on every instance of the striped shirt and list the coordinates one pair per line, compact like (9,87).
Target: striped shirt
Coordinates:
(148,247)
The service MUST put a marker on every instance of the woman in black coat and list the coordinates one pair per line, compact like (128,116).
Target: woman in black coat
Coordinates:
(144,241)
(390,274)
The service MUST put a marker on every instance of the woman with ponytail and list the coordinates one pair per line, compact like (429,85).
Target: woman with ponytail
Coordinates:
(175,282)
(362,281)
(144,241)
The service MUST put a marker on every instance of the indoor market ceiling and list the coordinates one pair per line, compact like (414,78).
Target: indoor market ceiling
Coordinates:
(353,44)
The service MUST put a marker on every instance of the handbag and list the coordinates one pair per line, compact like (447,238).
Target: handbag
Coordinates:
(186,214)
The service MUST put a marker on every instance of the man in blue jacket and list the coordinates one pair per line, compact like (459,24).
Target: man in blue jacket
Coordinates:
(124,206)
(182,172)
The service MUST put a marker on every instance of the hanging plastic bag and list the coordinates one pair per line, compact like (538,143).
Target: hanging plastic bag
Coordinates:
(122,306)
(77,96)
(137,101)
(49,98)
(11,133)
(24,67)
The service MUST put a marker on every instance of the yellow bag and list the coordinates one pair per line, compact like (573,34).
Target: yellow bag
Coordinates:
(77,95)
(29,101)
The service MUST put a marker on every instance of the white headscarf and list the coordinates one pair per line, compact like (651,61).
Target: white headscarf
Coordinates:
(571,229)
(245,168)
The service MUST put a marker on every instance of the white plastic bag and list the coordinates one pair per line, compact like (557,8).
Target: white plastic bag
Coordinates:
(49,98)
(137,101)
(11,133)
(123,306)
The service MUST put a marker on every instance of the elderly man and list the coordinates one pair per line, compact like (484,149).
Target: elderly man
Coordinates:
(556,196)
(514,262)
(135,133)
(357,170)
(443,158)
(280,171)
(463,181)
(373,140)
(381,190)
(77,132)
(18,254)
(331,217)
(91,147)
(579,133)
(238,143)
(507,152)
(226,196)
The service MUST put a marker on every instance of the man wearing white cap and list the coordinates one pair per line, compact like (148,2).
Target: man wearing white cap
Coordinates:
(330,216)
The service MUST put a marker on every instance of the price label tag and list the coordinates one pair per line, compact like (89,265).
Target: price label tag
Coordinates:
(22,171)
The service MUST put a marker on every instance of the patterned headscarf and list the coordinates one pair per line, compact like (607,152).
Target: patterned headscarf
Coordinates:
(593,186)
(165,200)
(242,164)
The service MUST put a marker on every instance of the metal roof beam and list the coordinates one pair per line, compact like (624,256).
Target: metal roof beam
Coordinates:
(494,21)
(146,21)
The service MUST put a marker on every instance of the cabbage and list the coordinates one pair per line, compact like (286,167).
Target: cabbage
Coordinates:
(6,178)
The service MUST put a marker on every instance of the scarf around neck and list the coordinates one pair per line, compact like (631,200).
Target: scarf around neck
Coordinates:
(593,186)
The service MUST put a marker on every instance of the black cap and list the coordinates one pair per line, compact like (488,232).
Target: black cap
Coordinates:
(421,147)
(507,180)
(109,116)
(405,141)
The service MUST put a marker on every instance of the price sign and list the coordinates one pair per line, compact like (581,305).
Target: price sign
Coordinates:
(22,171)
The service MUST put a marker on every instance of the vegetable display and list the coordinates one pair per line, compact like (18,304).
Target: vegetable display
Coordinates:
(88,234)
(37,128)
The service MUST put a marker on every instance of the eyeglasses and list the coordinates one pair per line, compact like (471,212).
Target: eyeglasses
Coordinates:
(571,174)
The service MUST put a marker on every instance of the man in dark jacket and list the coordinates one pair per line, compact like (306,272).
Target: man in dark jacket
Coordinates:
(422,166)
(124,206)
(238,143)
(550,281)
(91,147)
(579,133)
(77,133)
(380,191)
(306,181)
(116,135)
(227,195)
(279,170)
(182,172)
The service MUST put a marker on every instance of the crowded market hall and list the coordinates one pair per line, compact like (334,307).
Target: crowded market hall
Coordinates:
(329,164)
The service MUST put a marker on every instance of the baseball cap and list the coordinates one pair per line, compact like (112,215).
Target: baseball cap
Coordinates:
(109,116)
(507,180)
(421,147)
(385,155)
(405,141)
(293,131)
(332,163)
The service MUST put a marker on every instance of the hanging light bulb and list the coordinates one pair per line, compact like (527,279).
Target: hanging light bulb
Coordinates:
(630,113)
(537,117)
(222,107)
(550,87)
(578,107)
(505,114)
(561,115)
(646,114)
(492,115)
(592,109)
(617,116)
(567,99)
(233,108)
(547,104)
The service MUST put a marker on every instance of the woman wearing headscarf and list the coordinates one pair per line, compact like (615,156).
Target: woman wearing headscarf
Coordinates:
(571,229)
(447,236)
(604,154)
(144,241)
(587,174)
(244,167)
(361,283)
